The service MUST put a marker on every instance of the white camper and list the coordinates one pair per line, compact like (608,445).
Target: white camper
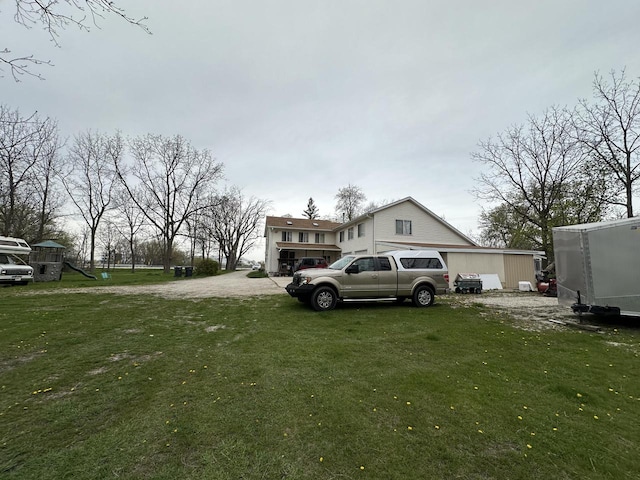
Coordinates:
(13,269)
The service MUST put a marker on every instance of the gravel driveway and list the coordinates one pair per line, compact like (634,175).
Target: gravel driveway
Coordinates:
(234,284)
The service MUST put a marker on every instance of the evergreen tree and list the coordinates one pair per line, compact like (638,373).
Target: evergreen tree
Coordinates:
(312,210)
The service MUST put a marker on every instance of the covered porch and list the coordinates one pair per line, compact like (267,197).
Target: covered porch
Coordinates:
(290,253)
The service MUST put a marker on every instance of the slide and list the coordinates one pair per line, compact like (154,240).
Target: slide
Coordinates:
(73,267)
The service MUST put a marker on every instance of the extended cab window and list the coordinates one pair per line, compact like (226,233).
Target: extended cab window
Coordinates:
(411,263)
(385,264)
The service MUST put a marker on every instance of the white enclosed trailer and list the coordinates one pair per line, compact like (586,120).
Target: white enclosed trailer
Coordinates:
(598,266)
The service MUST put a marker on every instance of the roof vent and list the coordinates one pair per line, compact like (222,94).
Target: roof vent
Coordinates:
(289,222)
(315,224)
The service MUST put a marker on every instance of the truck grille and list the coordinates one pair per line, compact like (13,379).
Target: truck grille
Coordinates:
(19,271)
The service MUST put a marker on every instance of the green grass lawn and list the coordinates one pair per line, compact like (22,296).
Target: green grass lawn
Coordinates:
(106,386)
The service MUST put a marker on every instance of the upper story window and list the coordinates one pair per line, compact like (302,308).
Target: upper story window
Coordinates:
(361,230)
(403,227)
(303,237)
(319,237)
(350,233)
(342,236)
(287,237)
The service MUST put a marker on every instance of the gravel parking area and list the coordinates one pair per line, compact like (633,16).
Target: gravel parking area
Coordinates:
(530,309)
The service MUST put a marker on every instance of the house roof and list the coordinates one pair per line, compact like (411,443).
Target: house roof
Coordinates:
(420,206)
(301,224)
(461,248)
(308,246)
(329,226)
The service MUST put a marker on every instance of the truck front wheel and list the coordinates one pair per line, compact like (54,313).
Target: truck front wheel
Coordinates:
(423,296)
(323,299)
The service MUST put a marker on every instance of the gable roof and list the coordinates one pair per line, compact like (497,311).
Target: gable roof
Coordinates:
(301,224)
(329,226)
(421,207)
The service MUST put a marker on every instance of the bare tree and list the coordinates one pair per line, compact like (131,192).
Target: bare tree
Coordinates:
(28,159)
(534,175)
(237,223)
(609,129)
(54,16)
(167,182)
(349,202)
(90,179)
(108,236)
(129,221)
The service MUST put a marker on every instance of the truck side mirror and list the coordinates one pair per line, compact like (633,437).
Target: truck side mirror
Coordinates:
(353,268)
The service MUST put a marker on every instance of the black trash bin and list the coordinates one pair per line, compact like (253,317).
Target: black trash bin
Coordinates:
(177,271)
(188,271)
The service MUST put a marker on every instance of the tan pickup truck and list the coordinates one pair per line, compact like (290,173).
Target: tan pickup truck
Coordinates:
(392,276)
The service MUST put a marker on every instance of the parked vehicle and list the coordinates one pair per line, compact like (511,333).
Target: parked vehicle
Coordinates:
(597,266)
(394,276)
(310,262)
(13,269)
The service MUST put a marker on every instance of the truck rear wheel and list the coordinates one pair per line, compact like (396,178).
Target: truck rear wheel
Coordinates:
(423,296)
(323,299)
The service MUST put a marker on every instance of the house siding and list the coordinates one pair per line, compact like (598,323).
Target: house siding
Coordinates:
(424,227)
(362,244)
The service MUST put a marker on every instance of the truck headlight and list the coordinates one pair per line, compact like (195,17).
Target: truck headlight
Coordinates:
(305,280)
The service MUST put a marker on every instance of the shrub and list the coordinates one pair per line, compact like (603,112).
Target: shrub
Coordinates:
(206,267)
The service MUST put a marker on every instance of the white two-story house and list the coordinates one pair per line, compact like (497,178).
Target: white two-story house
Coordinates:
(401,225)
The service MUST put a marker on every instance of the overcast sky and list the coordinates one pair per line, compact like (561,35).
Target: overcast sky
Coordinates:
(300,98)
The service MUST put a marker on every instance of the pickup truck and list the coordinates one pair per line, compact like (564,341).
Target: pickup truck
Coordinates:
(393,276)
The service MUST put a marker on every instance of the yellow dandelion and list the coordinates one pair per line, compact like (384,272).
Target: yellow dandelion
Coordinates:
(529,446)
(519,417)
(579,395)
(409,428)
(437,427)
(321,459)
(596,417)
(361,467)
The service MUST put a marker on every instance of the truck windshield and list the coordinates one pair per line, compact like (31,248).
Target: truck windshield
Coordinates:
(340,264)
(4,259)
